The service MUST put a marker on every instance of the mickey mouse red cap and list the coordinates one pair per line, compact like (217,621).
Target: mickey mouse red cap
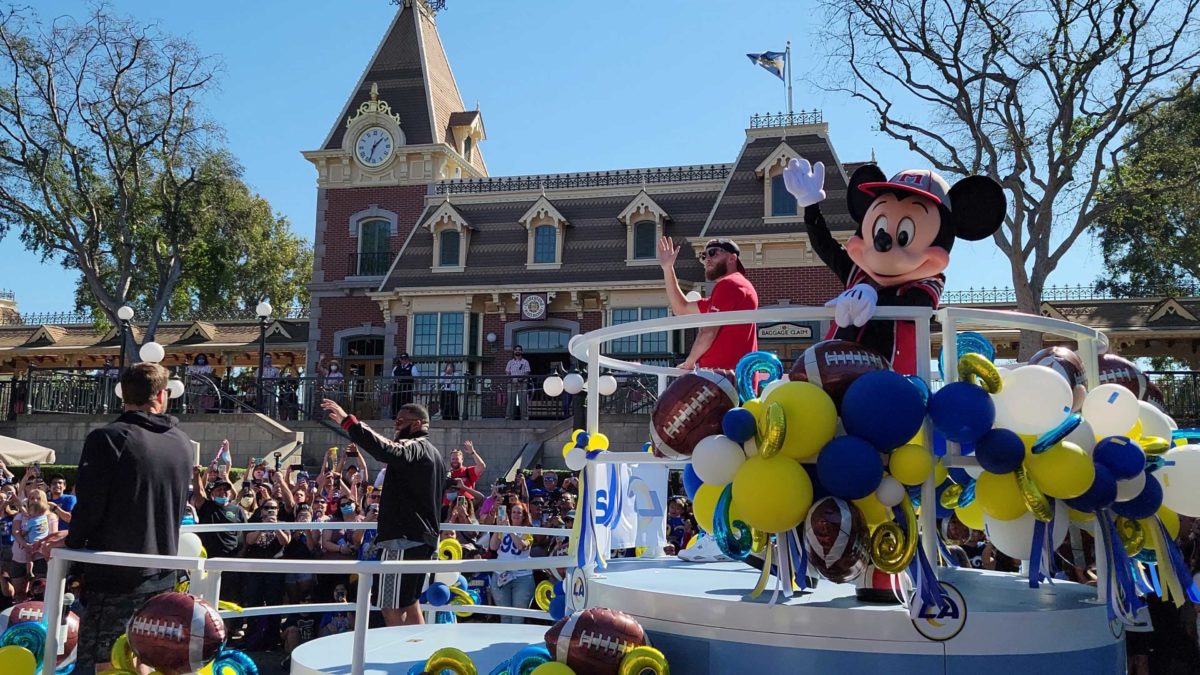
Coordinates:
(923,182)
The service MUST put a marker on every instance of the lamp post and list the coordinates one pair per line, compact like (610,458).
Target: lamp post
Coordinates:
(263,310)
(125,315)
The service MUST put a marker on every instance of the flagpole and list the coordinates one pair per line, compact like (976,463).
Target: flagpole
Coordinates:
(788,78)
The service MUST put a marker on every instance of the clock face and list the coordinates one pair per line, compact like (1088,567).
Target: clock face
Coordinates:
(534,306)
(374,146)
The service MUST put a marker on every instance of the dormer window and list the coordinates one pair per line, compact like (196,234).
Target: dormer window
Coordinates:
(546,227)
(777,201)
(644,220)
(468,146)
(451,238)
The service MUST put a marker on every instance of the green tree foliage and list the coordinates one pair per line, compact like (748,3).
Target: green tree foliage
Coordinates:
(1150,234)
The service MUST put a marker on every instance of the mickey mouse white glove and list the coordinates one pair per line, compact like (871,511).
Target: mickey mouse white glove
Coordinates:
(855,306)
(805,182)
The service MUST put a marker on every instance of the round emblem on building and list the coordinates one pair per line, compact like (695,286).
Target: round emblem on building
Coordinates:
(941,623)
(374,146)
(533,306)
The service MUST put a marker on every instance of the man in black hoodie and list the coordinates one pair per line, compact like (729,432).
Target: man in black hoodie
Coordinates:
(132,490)
(410,508)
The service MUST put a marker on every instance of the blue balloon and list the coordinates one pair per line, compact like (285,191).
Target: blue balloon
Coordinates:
(962,411)
(1122,456)
(1101,494)
(749,366)
(582,440)
(528,658)
(691,482)
(943,512)
(959,475)
(558,607)
(461,582)
(438,594)
(500,669)
(850,467)
(234,662)
(819,490)
(1000,451)
(968,342)
(883,408)
(922,387)
(558,588)
(1145,504)
(939,444)
(739,425)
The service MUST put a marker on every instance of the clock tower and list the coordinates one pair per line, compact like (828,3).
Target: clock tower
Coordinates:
(403,127)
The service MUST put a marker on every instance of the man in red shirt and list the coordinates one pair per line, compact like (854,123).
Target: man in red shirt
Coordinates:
(714,346)
(468,475)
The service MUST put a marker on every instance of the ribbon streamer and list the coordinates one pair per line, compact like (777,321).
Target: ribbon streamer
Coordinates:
(765,573)
(1120,593)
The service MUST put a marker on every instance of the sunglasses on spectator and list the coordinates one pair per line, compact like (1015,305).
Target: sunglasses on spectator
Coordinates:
(537,503)
(709,253)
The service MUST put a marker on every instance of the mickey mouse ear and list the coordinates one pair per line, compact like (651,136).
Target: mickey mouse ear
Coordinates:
(979,207)
(858,201)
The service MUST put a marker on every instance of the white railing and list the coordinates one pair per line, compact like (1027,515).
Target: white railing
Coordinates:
(208,585)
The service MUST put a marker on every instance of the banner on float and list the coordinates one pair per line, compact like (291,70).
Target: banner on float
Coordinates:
(647,498)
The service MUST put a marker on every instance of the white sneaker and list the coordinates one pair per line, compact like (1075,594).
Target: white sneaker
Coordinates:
(704,550)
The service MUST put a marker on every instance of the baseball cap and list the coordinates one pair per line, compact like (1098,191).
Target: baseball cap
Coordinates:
(923,182)
(730,246)
(404,355)
(221,482)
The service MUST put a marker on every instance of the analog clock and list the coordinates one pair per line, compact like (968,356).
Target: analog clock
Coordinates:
(533,306)
(374,146)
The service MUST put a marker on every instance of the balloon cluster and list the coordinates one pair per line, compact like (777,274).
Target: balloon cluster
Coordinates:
(550,597)
(582,447)
(442,594)
(152,352)
(573,383)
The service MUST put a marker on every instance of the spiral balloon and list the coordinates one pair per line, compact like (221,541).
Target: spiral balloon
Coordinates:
(31,635)
(543,594)
(1035,501)
(751,365)
(233,662)
(462,597)
(1133,537)
(950,496)
(639,660)
(736,546)
(121,654)
(1154,445)
(454,660)
(450,549)
(773,435)
(760,541)
(977,369)
(524,661)
(500,669)
(1057,434)
(893,547)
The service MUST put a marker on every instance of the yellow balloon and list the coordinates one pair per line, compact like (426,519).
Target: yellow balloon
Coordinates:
(772,495)
(705,504)
(1136,431)
(121,654)
(873,511)
(911,464)
(575,435)
(940,472)
(1029,442)
(1063,471)
(1000,496)
(598,441)
(971,515)
(756,408)
(567,447)
(639,660)
(17,660)
(919,439)
(449,658)
(553,668)
(208,669)
(1080,516)
(811,418)
(1170,520)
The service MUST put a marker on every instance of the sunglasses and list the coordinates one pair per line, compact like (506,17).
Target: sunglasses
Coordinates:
(537,503)
(712,252)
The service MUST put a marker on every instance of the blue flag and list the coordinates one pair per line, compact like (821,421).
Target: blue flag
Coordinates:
(772,61)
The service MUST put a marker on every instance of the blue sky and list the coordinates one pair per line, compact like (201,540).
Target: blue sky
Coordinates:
(564,85)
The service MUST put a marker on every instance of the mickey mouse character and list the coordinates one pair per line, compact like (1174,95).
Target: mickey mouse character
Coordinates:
(911,223)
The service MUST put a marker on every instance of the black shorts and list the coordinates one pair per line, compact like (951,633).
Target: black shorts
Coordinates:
(20,570)
(397,591)
(105,615)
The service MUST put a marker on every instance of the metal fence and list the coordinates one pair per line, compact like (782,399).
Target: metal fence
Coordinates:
(1181,392)
(88,318)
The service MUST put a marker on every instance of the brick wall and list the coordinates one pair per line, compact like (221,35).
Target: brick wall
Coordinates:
(338,313)
(406,201)
(810,286)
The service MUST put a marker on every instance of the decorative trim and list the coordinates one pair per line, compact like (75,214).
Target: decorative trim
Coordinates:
(373,106)
(1171,307)
(448,214)
(642,203)
(365,330)
(373,212)
(513,327)
(780,155)
(542,209)
(204,329)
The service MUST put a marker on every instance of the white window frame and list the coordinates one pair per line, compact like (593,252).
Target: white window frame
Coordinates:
(641,209)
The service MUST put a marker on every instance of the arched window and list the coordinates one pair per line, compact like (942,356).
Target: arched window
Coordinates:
(450,241)
(782,201)
(545,244)
(543,339)
(468,146)
(374,252)
(643,239)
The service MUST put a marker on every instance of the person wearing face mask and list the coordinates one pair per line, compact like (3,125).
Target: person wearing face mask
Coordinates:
(215,504)
(409,509)
(264,588)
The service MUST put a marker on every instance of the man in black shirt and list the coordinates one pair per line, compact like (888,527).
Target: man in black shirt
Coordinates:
(409,509)
(214,505)
(132,492)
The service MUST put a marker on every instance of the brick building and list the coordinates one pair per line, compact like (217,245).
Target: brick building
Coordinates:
(419,249)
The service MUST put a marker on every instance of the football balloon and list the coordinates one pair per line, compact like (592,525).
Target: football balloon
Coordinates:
(31,611)
(836,538)
(594,641)
(1119,370)
(833,365)
(690,410)
(176,633)
(1067,363)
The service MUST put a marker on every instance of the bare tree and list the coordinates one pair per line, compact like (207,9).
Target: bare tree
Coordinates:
(1043,95)
(102,147)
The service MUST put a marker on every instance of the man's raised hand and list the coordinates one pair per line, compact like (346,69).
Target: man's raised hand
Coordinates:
(335,411)
(667,252)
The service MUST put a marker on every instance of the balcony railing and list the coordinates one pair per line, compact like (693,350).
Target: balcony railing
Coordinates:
(799,118)
(374,264)
(87,318)
(1008,296)
(669,174)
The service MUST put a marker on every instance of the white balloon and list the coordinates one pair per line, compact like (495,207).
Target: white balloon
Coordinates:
(762,396)
(1130,488)
(750,448)
(1034,400)
(117,390)
(692,296)
(1083,436)
(1180,479)
(973,471)
(573,383)
(1154,421)
(175,387)
(189,545)
(553,385)
(716,459)
(448,578)
(152,352)
(1014,538)
(608,385)
(1111,409)
(576,459)
(890,492)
